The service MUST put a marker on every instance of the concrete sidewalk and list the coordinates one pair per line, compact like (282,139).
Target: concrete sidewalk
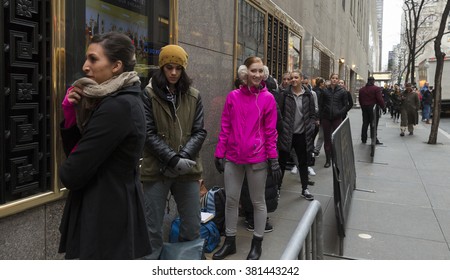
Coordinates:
(400,210)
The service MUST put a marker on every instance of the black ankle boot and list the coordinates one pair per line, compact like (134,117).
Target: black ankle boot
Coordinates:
(255,250)
(328,162)
(228,248)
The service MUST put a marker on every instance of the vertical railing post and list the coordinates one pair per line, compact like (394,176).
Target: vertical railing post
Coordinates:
(307,240)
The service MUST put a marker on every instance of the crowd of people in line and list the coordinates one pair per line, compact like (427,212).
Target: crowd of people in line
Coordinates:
(402,103)
(116,204)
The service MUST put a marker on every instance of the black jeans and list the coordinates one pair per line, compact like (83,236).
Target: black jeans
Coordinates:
(299,145)
(367,116)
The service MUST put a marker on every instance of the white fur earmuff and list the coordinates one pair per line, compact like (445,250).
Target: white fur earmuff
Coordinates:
(266,72)
(242,73)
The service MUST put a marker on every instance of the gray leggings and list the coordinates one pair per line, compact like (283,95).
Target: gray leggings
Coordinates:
(234,177)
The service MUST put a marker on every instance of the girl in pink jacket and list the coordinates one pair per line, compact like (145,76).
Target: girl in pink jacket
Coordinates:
(246,147)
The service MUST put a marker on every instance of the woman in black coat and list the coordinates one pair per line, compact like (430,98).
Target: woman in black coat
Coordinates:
(103,136)
(333,106)
(299,122)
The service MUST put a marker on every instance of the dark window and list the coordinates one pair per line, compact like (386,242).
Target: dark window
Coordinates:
(250,32)
(145,22)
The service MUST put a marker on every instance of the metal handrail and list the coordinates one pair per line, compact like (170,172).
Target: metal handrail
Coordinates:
(308,234)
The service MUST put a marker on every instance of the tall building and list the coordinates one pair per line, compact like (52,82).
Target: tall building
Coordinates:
(380,29)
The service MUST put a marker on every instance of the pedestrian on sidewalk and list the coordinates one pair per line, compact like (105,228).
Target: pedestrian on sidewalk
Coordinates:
(369,96)
(103,135)
(311,159)
(349,96)
(409,110)
(175,135)
(319,87)
(272,187)
(427,100)
(299,117)
(396,101)
(247,146)
(285,82)
(333,105)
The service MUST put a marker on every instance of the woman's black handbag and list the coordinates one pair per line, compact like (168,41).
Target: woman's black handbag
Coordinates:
(186,250)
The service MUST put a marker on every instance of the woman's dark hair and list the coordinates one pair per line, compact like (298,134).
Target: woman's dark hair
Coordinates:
(237,83)
(319,81)
(160,81)
(117,46)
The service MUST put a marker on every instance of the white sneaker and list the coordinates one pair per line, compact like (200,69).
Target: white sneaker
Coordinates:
(294,170)
(311,171)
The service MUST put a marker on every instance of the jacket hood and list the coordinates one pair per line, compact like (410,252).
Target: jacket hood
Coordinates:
(162,93)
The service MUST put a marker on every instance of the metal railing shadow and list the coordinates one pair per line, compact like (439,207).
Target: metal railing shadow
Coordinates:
(307,241)
(373,127)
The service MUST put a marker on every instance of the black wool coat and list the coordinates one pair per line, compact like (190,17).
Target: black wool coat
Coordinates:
(104,217)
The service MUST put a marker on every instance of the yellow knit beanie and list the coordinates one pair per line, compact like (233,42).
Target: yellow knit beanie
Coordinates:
(173,54)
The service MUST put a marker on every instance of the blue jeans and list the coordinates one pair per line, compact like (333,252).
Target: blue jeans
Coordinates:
(426,112)
(186,195)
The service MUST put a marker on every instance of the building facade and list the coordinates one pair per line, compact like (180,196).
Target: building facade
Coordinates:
(44,44)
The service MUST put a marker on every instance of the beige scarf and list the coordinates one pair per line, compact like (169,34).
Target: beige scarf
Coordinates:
(93,93)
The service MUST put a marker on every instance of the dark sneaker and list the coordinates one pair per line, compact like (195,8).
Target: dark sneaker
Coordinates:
(269,227)
(402,134)
(311,183)
(307,195)
(411,133)
(316,154)
(250,227)
(378,142)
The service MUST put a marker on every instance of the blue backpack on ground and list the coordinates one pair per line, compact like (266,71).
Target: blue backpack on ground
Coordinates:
(208,231)
(214,202)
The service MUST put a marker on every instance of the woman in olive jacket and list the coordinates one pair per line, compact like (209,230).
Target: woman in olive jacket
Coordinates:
(175,135)
(333,106)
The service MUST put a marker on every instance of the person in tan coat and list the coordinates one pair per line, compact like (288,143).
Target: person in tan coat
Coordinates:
(409,110)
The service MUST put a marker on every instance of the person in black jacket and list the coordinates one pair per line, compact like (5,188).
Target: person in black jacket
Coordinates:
(369,96)
(333,105)
(427,100)
(299,117)
(349,95)
(320,85)
(103,135)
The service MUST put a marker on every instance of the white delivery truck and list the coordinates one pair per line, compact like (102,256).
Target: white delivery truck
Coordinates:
(427,70)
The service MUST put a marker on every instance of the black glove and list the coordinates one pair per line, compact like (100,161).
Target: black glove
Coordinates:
(220,164)
(184,166)
(276,170)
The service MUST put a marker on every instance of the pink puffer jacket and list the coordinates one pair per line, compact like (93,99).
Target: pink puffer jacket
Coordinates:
(248,128)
